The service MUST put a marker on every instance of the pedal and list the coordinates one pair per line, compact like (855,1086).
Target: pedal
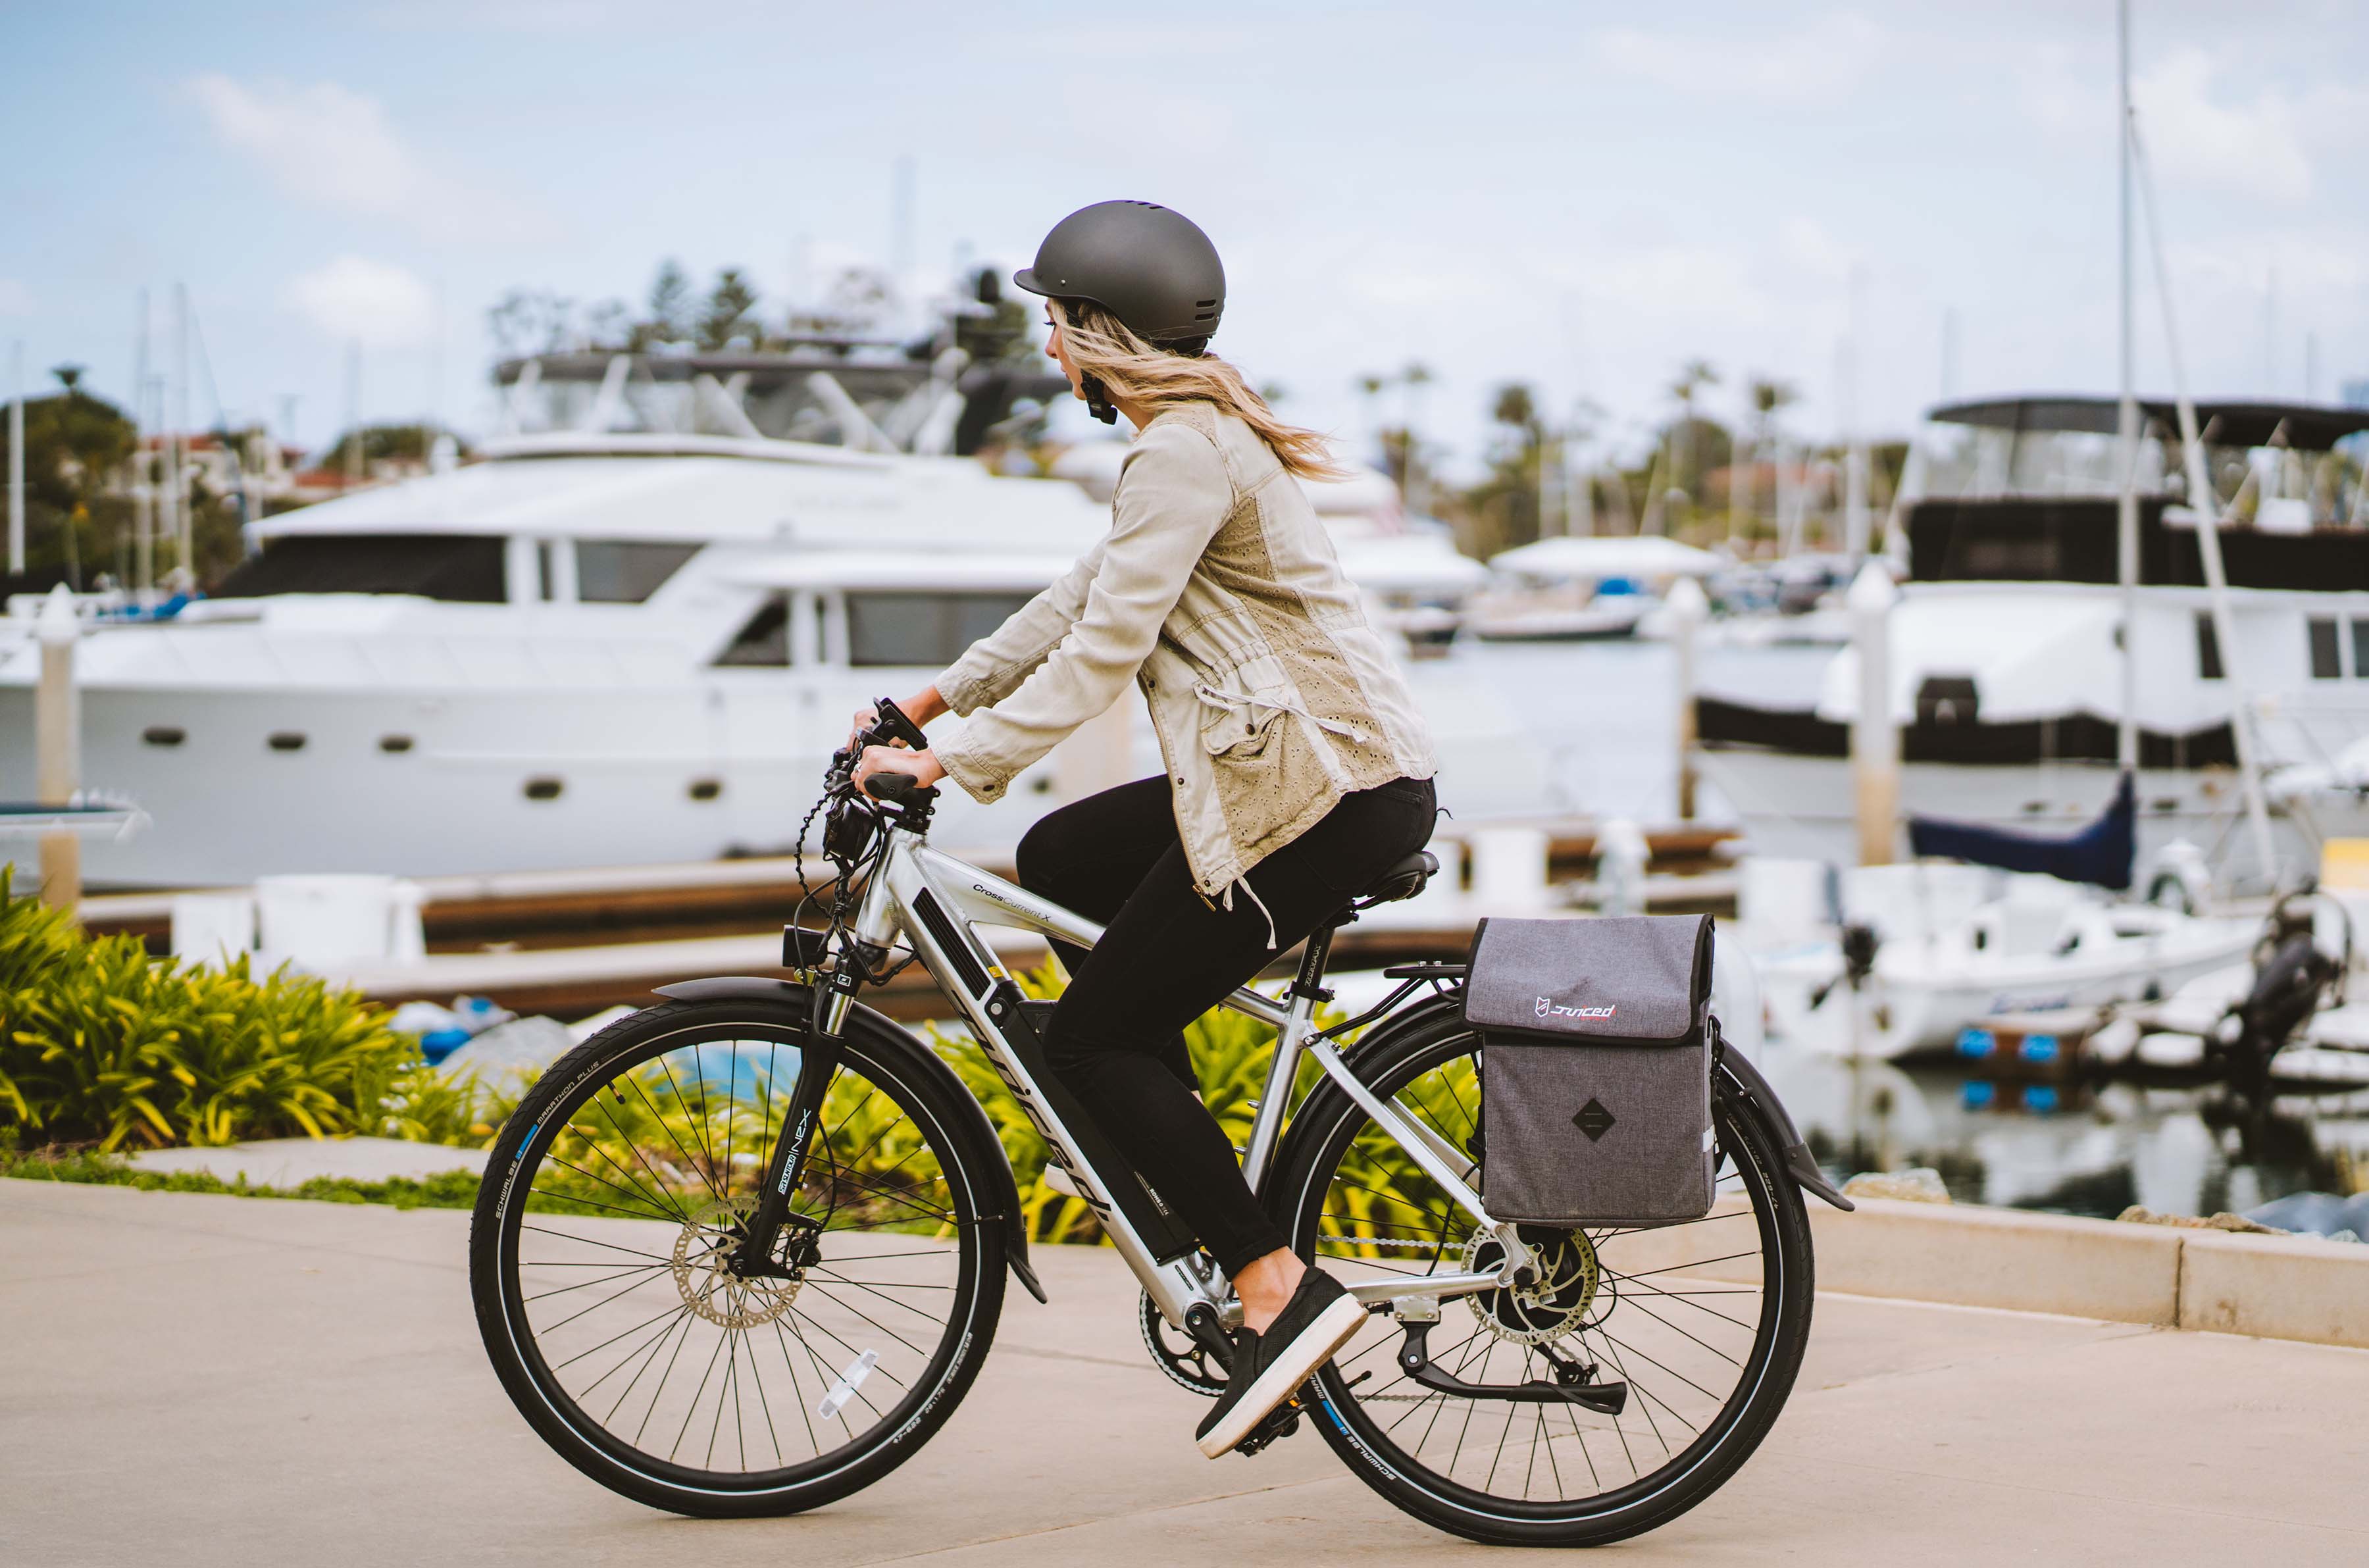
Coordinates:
(1279,1423)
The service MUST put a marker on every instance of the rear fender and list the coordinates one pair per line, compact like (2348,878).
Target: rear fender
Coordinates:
(1803,1169)
(987,1150)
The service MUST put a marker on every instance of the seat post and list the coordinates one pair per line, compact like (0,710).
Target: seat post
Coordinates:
(1314,955)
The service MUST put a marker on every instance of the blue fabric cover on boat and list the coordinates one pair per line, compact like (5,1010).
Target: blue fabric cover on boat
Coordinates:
(2100,854)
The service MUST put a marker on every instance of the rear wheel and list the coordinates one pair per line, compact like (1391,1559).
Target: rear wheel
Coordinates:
(611,1206)
(1705,1321)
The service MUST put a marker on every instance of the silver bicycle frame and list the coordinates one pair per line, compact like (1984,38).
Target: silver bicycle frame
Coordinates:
(952,952)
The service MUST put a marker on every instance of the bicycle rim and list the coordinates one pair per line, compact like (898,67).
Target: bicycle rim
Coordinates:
(685,1385)
(1702,1320)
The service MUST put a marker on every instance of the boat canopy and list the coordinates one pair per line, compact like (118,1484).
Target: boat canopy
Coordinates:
(906,570)
(2100,854)
(1639,555)
(2303,427)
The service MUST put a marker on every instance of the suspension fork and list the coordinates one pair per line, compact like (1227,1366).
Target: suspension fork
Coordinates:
(818,1061)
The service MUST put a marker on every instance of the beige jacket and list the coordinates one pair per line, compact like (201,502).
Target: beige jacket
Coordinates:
(1217,591)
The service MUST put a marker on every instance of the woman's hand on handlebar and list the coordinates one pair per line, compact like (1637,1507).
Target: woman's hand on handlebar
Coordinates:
(922,707)
(922,765)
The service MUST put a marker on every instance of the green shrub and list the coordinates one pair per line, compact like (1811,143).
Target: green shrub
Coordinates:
(102,1045)
(1230,1054)
(447,1189)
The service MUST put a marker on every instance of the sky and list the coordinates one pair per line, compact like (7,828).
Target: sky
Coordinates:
(1580,196)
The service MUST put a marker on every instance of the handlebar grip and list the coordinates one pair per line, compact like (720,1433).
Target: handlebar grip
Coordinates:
(898,789)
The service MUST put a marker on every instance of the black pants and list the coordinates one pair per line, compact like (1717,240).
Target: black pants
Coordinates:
(1168,957)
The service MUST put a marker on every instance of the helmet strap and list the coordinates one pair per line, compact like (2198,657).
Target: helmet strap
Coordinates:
(1098,401)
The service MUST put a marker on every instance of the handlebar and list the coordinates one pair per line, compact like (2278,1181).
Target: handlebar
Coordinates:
(889,727)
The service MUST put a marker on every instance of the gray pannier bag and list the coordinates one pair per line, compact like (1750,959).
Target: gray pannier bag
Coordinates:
(1596,1041)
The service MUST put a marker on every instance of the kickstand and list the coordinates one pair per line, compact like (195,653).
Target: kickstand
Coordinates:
(1605,1399)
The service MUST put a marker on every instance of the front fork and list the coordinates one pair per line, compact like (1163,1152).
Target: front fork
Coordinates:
(818,1068)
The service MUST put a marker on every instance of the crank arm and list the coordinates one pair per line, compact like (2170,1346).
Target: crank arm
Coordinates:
(1414,1360)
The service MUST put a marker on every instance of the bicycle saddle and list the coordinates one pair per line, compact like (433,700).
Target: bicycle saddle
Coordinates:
(1403,880)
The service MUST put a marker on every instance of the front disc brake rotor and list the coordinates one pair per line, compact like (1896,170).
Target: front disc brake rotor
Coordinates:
(703,1271)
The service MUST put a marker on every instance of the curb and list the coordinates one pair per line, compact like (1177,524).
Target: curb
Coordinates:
(2272,1286)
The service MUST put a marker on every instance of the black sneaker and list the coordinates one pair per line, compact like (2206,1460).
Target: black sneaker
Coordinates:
(1320,1319)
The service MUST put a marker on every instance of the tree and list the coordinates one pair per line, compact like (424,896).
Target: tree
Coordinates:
(1502,510)
(75,444)
(670,318)
(532,321)
(724,317)
(1693,377)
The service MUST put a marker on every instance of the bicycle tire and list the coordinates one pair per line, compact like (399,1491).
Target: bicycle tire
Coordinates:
(914,1083)
(1751,1160)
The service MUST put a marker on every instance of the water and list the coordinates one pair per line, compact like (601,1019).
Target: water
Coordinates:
(1605,714)
(2073,1147)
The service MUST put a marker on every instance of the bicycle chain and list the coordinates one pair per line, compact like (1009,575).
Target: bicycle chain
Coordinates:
(1443,1248)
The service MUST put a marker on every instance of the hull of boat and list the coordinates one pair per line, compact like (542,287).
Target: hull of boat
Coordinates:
(1801,808)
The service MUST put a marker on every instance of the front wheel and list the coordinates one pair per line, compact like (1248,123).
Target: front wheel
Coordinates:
(612,1204)
(1705,1321)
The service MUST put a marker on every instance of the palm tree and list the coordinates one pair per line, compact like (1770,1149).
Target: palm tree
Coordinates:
(1692,378)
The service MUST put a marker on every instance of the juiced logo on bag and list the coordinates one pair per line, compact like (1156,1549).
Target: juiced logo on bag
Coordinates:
(1550,1008)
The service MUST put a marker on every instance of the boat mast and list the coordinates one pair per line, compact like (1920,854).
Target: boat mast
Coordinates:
(2204,504)
(2126,746)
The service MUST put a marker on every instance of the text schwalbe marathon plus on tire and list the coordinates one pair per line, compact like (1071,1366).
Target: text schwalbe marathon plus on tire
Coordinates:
(1320,1130)
(929,1092)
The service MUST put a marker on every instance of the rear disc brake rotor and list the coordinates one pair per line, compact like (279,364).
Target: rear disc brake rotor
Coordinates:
(1557,1304)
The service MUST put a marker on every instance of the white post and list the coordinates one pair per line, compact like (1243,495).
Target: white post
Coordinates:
(17,468)
(57,734)
(1688,608)
(2126,743)
(1876,739)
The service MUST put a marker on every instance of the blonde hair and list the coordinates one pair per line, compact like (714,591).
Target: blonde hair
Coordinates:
(1133,370)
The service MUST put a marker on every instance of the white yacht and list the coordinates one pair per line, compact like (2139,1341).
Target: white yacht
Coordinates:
(589,648)
(2007,667)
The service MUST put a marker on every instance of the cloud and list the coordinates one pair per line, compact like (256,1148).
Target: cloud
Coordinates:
(2255,149)
(1830,55)
(14,298)
(334,147)
(1806,244)
(376,304)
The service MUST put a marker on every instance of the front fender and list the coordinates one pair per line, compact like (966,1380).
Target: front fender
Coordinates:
(987,1148)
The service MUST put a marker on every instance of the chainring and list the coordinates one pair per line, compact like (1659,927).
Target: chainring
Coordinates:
(1185,1359)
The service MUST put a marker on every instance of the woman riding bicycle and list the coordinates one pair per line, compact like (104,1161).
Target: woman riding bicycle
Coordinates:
(1297,768)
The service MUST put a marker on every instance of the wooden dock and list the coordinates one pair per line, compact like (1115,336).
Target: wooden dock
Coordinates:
(571,943)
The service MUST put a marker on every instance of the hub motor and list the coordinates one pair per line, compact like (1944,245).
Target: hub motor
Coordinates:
(1570,1287)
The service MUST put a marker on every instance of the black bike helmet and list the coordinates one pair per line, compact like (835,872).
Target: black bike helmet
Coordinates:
(1152,268)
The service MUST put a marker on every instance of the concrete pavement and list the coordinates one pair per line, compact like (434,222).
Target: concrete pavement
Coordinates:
(221,1380)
